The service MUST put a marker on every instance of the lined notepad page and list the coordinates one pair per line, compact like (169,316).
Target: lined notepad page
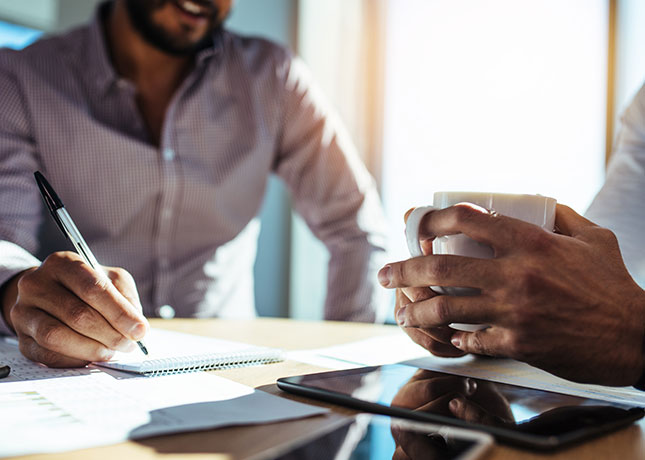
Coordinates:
(174,352)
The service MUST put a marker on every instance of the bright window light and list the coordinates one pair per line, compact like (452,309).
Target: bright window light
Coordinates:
(493,95)
(17,37)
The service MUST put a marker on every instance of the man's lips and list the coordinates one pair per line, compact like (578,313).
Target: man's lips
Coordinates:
(196,9)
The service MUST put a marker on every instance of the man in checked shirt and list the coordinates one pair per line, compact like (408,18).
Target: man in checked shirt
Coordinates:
(159,130)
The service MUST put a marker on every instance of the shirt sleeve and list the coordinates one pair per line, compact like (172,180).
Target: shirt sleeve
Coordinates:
(619,205)
(19,201)
(336,196)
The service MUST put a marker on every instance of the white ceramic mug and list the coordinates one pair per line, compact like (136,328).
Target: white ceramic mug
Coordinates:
(535,209)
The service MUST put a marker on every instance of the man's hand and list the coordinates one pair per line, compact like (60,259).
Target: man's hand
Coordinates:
(561,301)
(65,314)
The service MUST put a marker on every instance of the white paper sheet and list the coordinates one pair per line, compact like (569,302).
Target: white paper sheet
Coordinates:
(54,410)
(517,373)
(369,352)
(400,349)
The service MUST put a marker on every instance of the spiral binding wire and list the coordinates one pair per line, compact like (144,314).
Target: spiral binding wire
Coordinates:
(206,362)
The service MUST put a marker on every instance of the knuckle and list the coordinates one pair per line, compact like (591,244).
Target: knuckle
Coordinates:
(49,358)
(28,283)
(441,309)
(538,240)
(608,237)
(60,258)
(115,342)
(477,344)
(515,346)
(398,273)
(16,315)
(48,335)
(462,213)
(417,295)
(530,282)
(81,317)
(520,320)
(438,268)
(121,316)
(121,274)
(94,287)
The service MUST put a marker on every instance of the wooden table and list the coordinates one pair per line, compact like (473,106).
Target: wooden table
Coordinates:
(245,442)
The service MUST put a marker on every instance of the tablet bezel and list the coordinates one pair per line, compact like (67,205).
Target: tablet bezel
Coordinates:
(506,435)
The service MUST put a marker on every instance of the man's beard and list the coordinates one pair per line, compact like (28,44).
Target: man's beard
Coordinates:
(141,11)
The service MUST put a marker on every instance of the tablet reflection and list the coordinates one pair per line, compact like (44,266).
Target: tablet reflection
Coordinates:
(380,439)
(474,401)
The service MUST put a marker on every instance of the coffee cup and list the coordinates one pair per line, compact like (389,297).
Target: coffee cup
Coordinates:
(535,209)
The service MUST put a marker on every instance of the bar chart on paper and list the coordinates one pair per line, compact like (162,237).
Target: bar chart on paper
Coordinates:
(30,406)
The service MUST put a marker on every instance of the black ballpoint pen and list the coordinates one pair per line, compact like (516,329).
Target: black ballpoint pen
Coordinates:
(67,226)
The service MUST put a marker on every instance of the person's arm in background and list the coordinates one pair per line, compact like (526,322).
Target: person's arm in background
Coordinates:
(619,205)
(19,206)
(336,196)
(61,311)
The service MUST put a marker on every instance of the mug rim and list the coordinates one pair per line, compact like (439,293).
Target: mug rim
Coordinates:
(504,194)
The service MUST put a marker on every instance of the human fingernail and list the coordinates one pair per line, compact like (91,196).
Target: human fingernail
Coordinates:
(471,386)
(454,404)
(138,331)
(400,316)
(385,275)
(456,342)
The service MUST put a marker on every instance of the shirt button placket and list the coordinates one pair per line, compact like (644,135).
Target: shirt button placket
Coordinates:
(165,224)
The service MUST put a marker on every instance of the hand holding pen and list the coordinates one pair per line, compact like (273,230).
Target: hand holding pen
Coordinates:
(67,313)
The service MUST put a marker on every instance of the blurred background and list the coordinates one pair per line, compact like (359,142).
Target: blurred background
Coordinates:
(519,96)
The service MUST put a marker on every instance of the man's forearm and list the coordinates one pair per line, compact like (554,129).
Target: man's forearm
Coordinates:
(353,293)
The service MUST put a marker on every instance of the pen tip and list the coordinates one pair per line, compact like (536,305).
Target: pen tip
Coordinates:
(143,348)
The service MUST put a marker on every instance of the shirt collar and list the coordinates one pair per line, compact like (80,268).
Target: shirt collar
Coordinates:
(99,59)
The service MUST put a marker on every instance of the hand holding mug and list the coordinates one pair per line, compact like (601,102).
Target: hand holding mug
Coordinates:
(562,301)
(535,209)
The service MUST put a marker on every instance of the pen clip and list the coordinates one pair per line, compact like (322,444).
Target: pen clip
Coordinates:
(50,197)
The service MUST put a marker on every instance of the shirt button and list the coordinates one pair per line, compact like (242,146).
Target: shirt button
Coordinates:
(168,154)
(165,312)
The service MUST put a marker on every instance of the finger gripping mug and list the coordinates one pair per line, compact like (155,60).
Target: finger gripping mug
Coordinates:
(535,209)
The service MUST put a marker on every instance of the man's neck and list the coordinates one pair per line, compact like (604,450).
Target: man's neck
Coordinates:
(133,58)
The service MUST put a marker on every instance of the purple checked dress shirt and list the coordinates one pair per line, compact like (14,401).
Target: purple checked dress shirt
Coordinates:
(182,218)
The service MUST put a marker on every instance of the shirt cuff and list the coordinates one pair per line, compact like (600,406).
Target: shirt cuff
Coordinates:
(14,260)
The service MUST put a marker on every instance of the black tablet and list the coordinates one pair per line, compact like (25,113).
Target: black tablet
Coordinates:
(377,437)
(515,415)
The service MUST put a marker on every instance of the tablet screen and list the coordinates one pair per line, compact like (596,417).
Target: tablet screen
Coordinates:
(473,401)
(384,438)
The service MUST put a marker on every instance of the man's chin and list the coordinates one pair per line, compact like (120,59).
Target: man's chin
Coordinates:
(141,13)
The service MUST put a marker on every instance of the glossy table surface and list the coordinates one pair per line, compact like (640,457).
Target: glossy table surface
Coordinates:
(254,441)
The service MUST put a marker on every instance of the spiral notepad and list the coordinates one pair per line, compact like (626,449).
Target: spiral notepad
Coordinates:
(175,353)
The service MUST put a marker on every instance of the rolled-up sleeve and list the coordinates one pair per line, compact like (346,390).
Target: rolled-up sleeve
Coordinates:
(619,205)
(336,196)
(19,200)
